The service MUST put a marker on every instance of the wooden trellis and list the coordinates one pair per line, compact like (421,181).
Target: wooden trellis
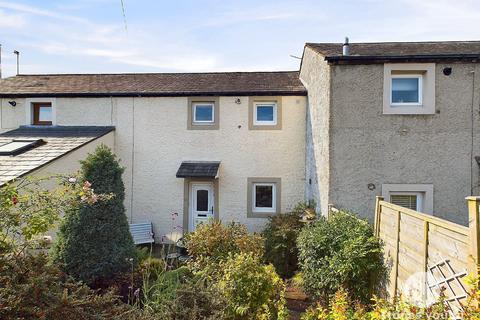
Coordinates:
(442,277)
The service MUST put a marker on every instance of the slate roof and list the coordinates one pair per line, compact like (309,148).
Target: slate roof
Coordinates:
(380,52)
(59,142)
(153,84)
(198,169)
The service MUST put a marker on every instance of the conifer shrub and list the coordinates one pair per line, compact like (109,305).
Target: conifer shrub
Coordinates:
(94,241)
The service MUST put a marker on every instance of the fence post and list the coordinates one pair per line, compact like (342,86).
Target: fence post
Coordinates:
(376,226)
(474,226)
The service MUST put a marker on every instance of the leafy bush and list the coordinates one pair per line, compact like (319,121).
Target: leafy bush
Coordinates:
(252,290)
(94,241)
(281,249)
(341,251)
(213,242)
(30,288)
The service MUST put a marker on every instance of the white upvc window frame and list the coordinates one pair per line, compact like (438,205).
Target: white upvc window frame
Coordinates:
(194,113)
(419,77)
(272,209)
(426,190)
(257,122)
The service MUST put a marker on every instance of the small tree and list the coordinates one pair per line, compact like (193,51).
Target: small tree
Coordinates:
(94,241)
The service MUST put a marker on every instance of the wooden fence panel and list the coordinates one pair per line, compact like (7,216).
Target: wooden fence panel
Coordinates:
(416,243)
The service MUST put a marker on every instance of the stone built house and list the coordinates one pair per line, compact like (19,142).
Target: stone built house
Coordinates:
(392,119)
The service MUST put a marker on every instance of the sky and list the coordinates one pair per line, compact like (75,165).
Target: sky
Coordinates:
(91,36)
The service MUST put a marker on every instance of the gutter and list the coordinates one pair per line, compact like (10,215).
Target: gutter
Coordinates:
(374,59)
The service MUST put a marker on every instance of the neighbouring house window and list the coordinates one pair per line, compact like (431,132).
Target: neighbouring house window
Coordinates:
(410,200)
(263,197)
(203,113)
(406,90)
(42,113)
(409,88)
(265,113)
(418,197)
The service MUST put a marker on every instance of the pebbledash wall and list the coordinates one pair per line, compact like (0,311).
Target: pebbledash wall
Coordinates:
(151,139)
(354,144)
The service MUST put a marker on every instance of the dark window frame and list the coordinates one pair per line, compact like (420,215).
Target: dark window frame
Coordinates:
(36,113)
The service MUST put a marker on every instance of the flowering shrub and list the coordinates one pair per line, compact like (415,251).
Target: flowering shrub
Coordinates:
(337,252)
(28,210)
(251,290)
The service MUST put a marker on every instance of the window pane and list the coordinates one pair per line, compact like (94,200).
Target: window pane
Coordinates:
(265,113)
(202,200)
(407,201)
(203,112)
(44,113)
(264,196)
(405,90)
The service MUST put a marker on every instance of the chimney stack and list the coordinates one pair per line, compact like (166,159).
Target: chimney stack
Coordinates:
(346,47)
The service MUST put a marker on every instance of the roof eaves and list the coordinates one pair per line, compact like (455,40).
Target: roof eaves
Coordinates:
(299,92)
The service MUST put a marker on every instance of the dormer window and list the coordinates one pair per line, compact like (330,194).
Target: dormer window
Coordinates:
(42,113)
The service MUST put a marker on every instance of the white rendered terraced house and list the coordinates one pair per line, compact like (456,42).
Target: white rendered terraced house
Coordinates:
(228,146)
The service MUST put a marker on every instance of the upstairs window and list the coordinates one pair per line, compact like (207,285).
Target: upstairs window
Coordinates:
(203,113)
(409,88)
(265,113)
(42,113)
(406,90)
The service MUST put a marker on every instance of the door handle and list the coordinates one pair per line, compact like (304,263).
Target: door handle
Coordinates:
(212,209)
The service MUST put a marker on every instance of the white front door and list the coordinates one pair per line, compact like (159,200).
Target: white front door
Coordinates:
(201,203)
